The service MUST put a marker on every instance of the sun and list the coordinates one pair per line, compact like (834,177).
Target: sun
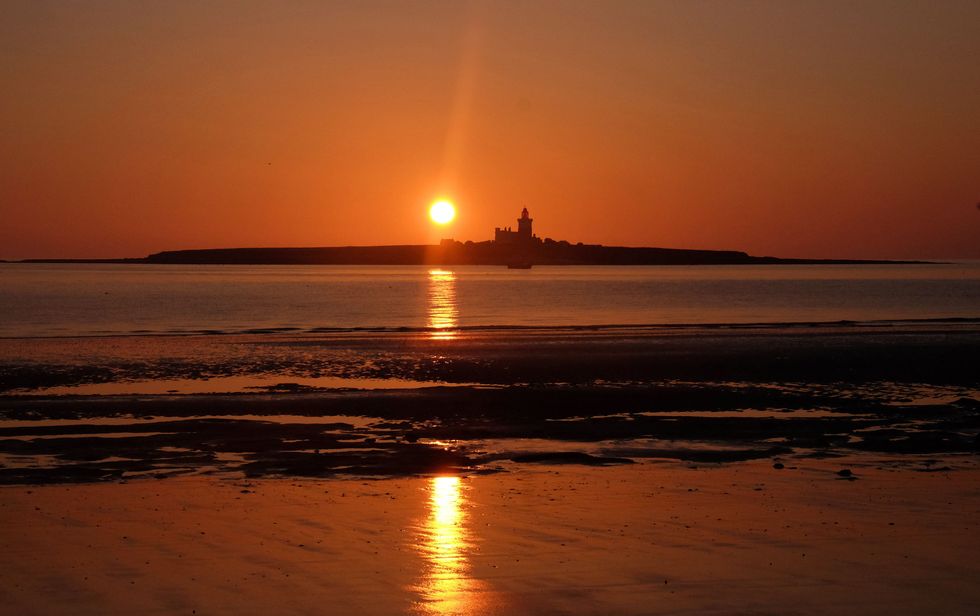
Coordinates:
(442,212)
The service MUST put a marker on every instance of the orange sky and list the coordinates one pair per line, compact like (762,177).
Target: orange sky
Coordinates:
(783,128)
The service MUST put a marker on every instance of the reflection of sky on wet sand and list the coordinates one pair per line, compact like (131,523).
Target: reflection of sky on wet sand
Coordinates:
(447,586)
(442,309)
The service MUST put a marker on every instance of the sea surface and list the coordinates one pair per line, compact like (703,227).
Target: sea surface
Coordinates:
(41,300)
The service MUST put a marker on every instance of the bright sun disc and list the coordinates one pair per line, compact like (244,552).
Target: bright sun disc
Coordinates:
(442,212)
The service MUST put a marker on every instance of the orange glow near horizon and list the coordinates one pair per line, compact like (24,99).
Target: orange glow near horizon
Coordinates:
(800,129)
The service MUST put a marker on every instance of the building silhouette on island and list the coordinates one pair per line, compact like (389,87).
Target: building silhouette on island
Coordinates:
(523,235)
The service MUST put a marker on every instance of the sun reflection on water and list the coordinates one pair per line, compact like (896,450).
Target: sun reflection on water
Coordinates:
(442,304)
(447,586)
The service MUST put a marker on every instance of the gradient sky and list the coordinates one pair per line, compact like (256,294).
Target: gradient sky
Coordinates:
(810,129)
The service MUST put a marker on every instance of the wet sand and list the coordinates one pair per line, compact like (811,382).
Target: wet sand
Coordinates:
(926,351)
(804,469)
(465,429)
(652,538)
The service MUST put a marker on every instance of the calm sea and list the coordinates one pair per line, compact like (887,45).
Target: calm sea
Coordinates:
(65,300)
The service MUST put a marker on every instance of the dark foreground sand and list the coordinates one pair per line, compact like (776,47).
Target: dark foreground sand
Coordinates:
(700,394)
(651,538)
(940,352)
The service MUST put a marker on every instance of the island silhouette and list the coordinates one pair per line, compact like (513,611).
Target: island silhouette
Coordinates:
(516,249)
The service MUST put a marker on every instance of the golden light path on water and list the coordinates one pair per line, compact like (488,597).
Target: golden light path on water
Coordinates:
(442,309)
(447,586)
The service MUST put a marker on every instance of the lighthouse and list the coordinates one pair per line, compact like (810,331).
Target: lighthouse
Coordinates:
(523,235)
(524,226)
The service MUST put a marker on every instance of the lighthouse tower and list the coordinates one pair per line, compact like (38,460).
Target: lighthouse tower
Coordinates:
(523,235)
(524,226)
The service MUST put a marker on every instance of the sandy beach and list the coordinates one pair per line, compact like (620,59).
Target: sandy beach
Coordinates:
(390,403)
(654,538)
(748,470)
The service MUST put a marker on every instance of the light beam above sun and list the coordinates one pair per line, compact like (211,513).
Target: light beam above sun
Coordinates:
(442,212)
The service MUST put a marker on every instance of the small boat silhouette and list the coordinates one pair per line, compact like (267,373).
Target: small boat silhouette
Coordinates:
(519,265)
